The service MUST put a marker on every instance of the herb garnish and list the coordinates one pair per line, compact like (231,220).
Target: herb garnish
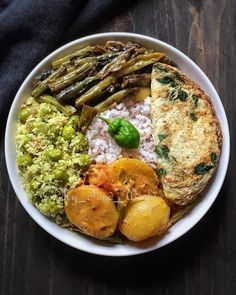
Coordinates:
(178,77)
(182,95)
(172,94)
(162,151)
(213,158)
(160,67)
(195,99)
(193,117)
(121,209)
(161,136)
(167,80)
(174,158)
(161,172)
(202,168)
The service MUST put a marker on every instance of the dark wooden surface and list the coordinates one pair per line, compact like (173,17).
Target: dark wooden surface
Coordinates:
(201,262)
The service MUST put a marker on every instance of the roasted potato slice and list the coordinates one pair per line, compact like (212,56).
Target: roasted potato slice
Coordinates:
(144,217)
(92,211)
(133,177)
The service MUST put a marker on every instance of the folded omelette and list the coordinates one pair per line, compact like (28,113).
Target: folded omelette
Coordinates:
(186,132)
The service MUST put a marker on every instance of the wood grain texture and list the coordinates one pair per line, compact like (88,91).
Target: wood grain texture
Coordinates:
(204,260)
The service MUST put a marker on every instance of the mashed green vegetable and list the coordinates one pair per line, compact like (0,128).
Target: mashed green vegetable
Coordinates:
(51,155)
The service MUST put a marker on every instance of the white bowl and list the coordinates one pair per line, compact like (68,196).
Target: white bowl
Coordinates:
(83,242)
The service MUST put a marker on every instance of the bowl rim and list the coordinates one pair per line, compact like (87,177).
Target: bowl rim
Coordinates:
(226,135)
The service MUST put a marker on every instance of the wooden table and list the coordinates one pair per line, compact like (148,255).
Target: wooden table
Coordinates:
(201,262)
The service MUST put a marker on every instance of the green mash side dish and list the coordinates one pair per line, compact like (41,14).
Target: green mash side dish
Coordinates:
(51,155)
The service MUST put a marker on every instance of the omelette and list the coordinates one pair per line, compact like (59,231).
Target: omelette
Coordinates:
(186,133)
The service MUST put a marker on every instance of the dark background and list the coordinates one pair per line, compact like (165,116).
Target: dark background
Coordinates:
(201,262)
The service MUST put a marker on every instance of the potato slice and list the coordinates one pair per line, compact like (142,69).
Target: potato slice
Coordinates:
(144,217)
(92,211)
(133,177)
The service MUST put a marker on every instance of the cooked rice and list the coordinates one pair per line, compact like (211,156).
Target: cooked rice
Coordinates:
(103,148)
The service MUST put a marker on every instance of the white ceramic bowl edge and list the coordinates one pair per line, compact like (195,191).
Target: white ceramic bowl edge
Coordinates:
(82,242)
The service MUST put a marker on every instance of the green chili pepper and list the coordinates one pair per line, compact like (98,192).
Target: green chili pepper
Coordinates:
(123,132)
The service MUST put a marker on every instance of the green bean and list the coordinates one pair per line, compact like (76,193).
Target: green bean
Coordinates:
(110,90)
(86,117)
(100,60)
(81,61)
(103,59)
(140,62)
(75,89)
(78,62)
(114,98)
(66,109)
(81,52)
(42,76)
(70,68)
(115,45)
(70,78)
(95,91)
(43,86)
(116,64)
(137,80)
